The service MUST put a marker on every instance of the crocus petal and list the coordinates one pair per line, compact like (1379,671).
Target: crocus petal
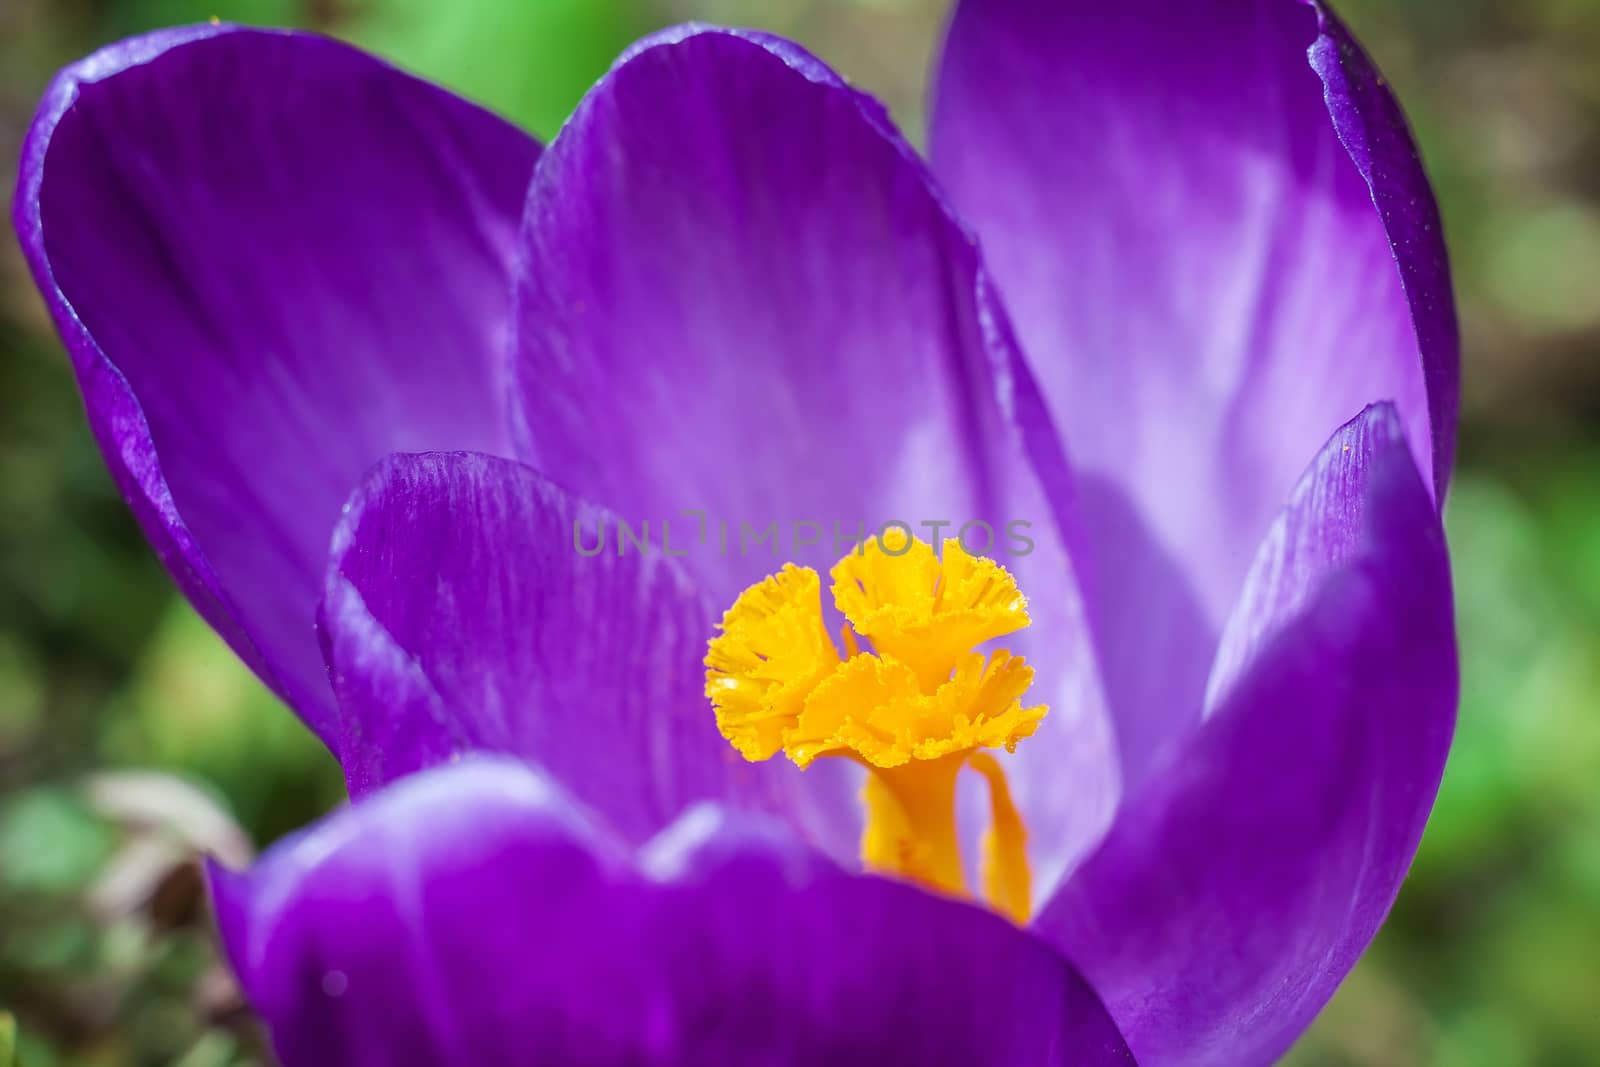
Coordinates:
(472,916)
(1195,267)
(1238,888)
(741,298)
(463,614)
(273,260)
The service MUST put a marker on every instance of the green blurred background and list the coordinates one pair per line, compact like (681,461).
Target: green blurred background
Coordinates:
(1493,954)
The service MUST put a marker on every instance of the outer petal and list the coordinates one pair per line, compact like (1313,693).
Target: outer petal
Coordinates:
(742,297)
(1201,282)
(469,917)
(273,260)
(460,615)
(1239,887)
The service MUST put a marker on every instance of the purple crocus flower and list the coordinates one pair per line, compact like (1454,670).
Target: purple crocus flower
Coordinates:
(1207,353)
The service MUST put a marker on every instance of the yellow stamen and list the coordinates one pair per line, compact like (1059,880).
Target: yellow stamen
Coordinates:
(911,824)
(926,610)
(914,709)
(851,647)
(1007,882)
(773,651)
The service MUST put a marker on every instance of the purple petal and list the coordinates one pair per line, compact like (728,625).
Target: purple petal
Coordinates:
(273,260)
(742,297)
(472,917)
(1239,887)
(1374,131)
(460,615)
(1200,280)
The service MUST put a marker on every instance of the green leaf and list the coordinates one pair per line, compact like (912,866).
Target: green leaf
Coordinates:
(50,842)
(194,709)
(139,16)
(531,62)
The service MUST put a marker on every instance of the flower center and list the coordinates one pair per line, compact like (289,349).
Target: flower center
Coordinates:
(914,709)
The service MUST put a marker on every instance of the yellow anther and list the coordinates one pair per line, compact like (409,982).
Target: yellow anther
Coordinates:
(923,609)
(773,650)
(914,709)
(874,709)
(851,646)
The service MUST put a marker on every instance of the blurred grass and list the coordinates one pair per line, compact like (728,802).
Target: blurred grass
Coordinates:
(529,61)
(1490,957)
